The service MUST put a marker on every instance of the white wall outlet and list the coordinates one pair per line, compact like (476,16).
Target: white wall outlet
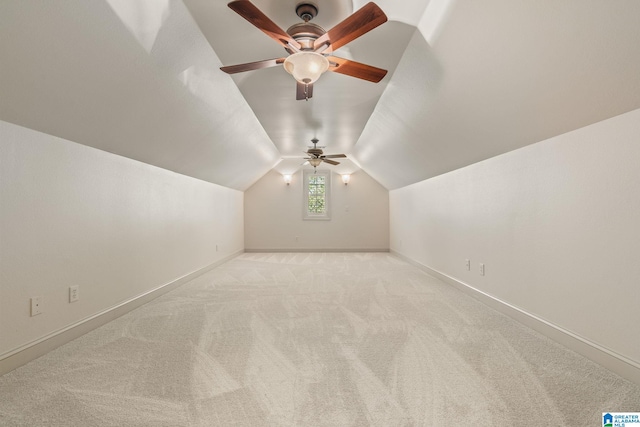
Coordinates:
(481,269)
(74,293)
(468,264)
(36,306)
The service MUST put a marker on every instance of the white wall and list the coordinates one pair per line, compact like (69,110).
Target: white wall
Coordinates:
(556,223)
(273,215)
(74,215)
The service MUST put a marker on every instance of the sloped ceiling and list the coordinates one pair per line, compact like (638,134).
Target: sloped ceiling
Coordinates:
(501,75)
(135,78)
(467,81)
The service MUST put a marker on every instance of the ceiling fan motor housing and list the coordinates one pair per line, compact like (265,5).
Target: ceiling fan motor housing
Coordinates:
(315,151)
(305,33)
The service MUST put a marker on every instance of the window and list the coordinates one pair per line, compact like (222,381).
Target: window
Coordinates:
(317,192)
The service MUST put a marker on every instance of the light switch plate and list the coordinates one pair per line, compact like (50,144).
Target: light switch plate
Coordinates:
(74,293)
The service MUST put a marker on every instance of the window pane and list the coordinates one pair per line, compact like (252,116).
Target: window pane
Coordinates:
(316,194)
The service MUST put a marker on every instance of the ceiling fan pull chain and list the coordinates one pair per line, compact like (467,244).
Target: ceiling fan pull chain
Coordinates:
(306,91)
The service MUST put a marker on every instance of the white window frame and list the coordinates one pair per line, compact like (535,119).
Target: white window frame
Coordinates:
(306,215)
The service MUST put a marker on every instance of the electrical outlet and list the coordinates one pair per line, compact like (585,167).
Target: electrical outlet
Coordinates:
(36,306)
(481,269)
(74,293)
(468,264)
(216,248)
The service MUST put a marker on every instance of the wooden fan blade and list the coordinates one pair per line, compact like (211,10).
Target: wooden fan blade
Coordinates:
(356,69)
(360,22)
(251,13)
(232,69)
(304,91)
(334,156)
(331,162)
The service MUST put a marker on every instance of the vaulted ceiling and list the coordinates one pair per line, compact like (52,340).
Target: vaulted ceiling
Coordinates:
(467,80)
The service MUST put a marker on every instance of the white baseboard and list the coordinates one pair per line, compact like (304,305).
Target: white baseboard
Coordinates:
(623,366)
(307,250)
(34,349)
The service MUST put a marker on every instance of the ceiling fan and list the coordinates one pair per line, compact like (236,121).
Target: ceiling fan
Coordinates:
(316,155)
(310,46)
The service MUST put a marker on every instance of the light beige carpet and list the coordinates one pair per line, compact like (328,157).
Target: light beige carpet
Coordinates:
(313,340)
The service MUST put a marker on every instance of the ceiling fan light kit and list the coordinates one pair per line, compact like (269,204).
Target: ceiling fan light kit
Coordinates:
(306,67)
(309,46)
